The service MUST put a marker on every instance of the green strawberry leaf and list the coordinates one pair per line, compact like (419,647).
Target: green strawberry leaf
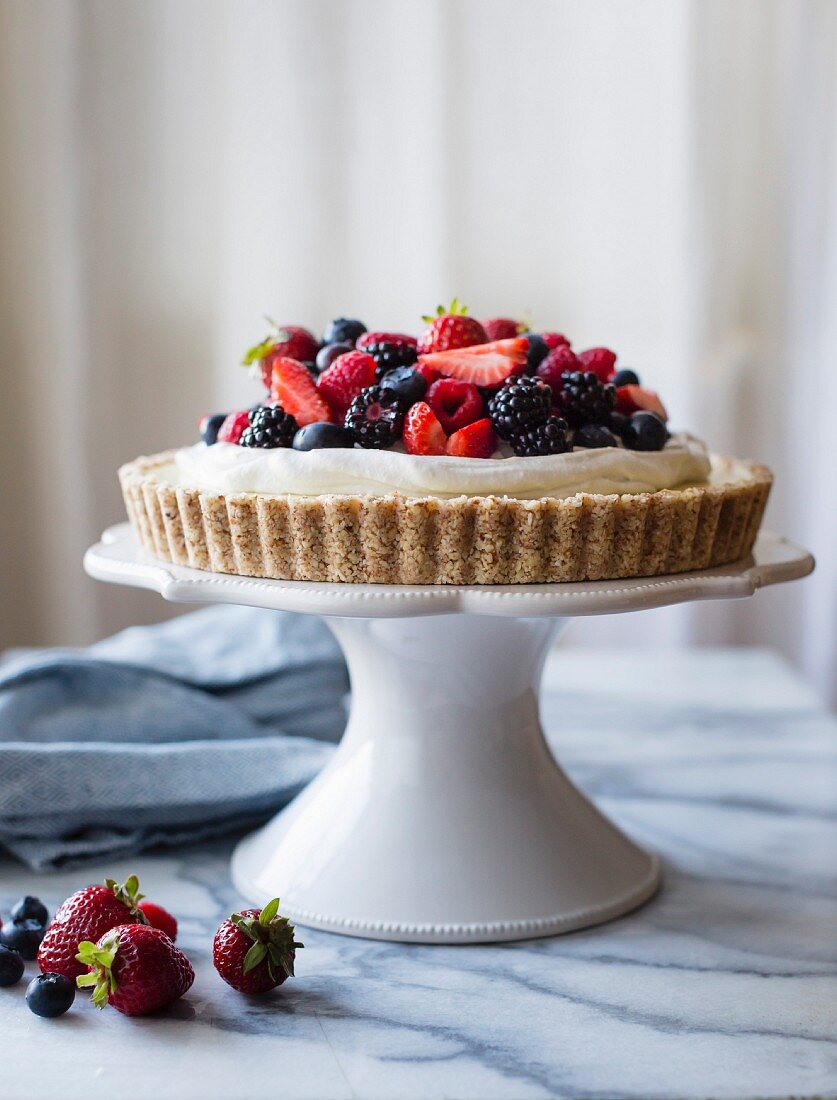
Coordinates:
(269,912)
(254,956)
(258,351)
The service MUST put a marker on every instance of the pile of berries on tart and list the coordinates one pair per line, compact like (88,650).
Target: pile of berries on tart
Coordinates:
(462,388)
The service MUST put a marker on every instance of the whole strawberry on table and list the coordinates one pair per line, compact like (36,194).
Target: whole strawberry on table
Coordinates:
(254,950)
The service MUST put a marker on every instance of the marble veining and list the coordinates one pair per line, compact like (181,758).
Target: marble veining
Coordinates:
(724,985)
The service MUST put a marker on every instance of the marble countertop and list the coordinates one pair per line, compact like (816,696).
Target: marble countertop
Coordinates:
(724,985)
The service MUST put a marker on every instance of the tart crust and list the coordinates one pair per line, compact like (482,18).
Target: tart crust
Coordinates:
(467,540)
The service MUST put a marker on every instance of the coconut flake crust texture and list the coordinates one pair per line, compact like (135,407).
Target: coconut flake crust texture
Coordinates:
(397,539)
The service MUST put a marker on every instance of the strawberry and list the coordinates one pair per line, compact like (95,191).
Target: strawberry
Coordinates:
(450,328)
(158,917)
(232,428)
(340,383)
(560,359)
(484,365)
(599,360)
(254,950)
(631,399)
(135,968)
(423,434)
(289,342)
(87,915)
(293,387)
(554,339)
(455,403)
(502,328)
(477,440)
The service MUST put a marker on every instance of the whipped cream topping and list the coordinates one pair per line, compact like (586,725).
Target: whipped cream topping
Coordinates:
(230,469)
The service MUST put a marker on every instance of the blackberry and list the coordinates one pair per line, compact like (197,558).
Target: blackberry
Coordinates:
(583,399)
(594,435)
(270,426)
(548,438)
(522,403)
(389,355)
(376,417)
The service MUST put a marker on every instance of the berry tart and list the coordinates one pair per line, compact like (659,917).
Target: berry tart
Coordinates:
(475,453)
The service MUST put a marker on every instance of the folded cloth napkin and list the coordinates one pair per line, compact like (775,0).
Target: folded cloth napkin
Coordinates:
(164,734)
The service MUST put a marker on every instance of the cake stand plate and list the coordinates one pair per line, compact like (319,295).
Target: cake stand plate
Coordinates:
(443,816)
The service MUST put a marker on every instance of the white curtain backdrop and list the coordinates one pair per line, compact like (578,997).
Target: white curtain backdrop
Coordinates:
(659,177)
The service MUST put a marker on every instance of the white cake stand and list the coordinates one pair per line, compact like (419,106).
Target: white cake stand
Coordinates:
(443,816)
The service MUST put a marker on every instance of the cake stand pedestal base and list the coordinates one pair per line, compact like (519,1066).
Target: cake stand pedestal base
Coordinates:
(443,817)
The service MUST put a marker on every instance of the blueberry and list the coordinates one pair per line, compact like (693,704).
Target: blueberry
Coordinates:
(321,434)
(29,908)
(11,966)
(24,937)
(329,352)
(594,435)
(50,995)
(645,431)
(344,330)
(626,378)
(537,352)
(408,384)
(616,422)
(210,426)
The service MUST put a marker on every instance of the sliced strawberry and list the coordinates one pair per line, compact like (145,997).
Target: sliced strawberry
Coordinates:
(477,440)
(484,364)
(423,434)
(455,403)
(599,360)
(502,328)
(429,374)
(560,359)
(340,383)
(450,328)
(292,387)
(631,399)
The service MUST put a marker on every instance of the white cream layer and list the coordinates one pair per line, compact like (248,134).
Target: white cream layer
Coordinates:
(229,469)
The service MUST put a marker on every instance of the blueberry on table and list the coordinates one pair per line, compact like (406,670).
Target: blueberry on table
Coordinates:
(24,937)
(11,966)
(322,434)
(406,383)
(50,995)
(30,908)
(645,431)
(626,378)
(344,330)
(328,353)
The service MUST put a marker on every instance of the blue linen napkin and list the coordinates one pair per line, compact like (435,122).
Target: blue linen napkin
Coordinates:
(164,734)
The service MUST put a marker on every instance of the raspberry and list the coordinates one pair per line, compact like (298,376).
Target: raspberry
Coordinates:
(455,403)
(233,427)
(340,383)
(554,366)
(502,328)
(601,361)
